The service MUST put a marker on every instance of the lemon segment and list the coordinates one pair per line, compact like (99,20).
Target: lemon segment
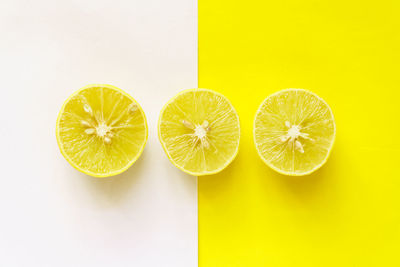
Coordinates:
(294,131)
(101,130)
(199,131)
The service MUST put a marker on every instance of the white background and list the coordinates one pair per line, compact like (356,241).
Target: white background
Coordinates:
(52,215)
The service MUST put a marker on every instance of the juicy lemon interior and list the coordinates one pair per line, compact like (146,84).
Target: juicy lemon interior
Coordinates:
(199,130)
(101,130)
(294,131)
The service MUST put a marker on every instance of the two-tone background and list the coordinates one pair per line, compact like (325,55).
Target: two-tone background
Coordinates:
(345,214)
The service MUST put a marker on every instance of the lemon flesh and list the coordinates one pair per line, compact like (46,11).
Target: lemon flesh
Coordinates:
(199,131)
(294,131)
(101,130)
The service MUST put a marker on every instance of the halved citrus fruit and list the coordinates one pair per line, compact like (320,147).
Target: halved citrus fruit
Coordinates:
(199,131)
(101,130)
(294,131)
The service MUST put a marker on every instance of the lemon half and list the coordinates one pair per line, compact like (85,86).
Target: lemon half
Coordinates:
(294,131)
(199,131)
(101,130)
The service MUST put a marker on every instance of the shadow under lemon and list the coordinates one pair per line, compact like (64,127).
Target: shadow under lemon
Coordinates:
(115,189)
(249,179)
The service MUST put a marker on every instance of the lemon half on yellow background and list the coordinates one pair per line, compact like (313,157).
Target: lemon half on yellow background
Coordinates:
(199,131)
(294,131)
(101,130)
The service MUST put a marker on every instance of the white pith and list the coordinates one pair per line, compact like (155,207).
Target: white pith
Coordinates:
(96,124)
(199,132)
(292,137)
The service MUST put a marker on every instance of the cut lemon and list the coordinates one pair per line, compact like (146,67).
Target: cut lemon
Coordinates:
(101,130)
(199,131)
(294,131)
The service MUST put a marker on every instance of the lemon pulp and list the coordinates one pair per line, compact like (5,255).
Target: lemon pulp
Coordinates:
(294,131)
(101,130)
(199,131)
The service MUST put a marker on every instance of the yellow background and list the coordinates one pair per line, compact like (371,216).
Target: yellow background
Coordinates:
(348,212)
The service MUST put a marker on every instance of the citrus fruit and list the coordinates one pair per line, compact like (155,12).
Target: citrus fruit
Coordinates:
(199,131)
(294,131)
(101,130)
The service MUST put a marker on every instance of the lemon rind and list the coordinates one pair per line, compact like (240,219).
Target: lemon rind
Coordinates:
(71,162)
(280,170)
(228,162)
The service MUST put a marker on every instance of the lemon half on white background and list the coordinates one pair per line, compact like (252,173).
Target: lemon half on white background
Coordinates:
(199,130)
(101,130)
(294,131)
